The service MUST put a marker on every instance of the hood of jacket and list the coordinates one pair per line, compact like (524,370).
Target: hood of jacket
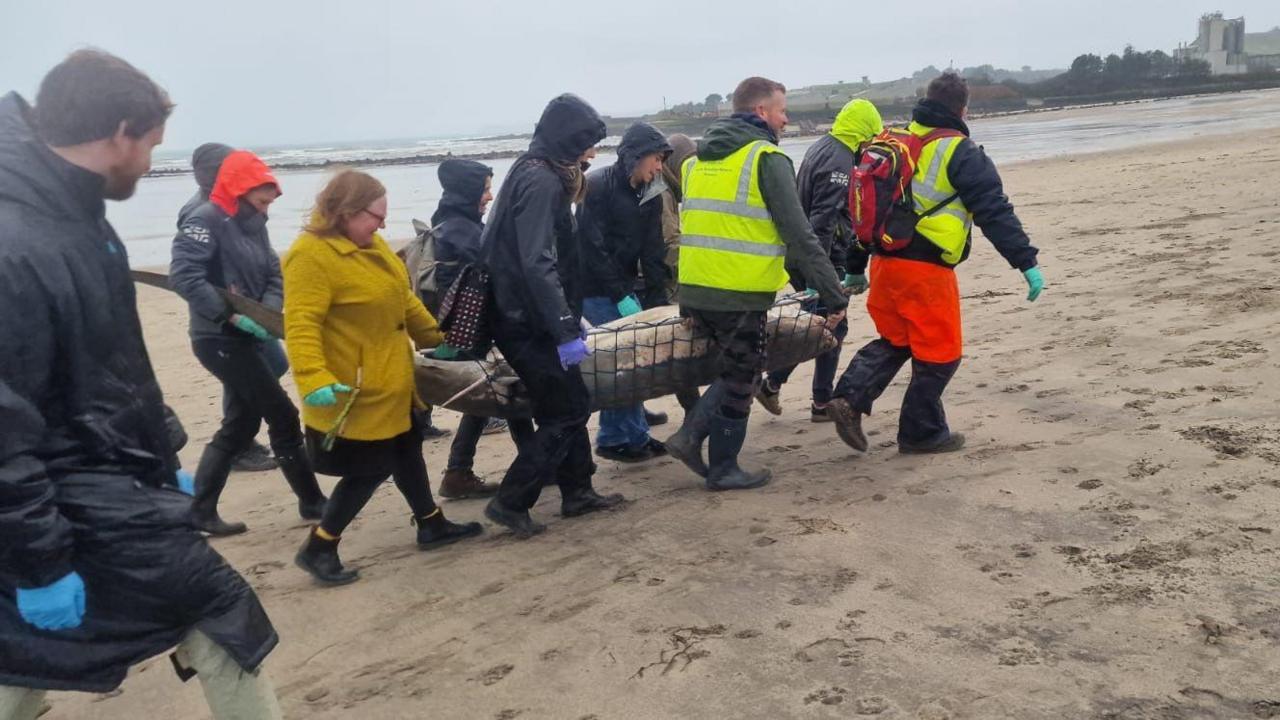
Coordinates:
(639,140)
(33,175)
(241,172)
(206,161)
(857,122)
(727,135)
(568,127)
(934,114)
(463,183)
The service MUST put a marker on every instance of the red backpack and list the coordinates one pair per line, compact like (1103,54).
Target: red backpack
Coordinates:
(880,201)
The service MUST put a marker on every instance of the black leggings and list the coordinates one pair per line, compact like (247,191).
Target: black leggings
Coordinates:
(409,471)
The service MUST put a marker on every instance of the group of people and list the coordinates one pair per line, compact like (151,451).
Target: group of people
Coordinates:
(105,557)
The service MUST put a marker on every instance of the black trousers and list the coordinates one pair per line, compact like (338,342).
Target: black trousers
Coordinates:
(252,393)
(922,420)
(740,338)
(462,453)
(403,456)
(560,449)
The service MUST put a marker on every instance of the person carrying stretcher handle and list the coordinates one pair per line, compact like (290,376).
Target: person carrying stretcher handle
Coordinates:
(740,220)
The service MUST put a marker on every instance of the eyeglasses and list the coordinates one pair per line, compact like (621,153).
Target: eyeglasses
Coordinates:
(380,218)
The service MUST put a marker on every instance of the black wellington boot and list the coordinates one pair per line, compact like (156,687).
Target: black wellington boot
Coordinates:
(727,437)
(302,480)
(686,444)
(211,478)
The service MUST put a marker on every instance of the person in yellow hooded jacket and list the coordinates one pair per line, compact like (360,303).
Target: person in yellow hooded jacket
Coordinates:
(349,317)
(823,185)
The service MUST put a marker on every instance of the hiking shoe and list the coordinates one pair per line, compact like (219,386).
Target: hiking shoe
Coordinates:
(951,444)
(848,424)
(494,426)
(463,484)
(587,500)
(431,432)
(819,414)
(769,397)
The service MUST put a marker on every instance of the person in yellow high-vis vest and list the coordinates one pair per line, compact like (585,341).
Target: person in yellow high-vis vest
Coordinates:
(914,299)
(740,219)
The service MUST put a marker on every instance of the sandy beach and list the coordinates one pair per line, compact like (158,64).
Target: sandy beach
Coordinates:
(1104,549)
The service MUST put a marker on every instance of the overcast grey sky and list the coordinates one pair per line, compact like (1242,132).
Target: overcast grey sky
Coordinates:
(255,73)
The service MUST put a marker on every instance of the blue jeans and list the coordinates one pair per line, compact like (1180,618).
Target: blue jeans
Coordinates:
(624,427)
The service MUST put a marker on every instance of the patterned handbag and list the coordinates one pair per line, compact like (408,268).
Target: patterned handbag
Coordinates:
(464,313)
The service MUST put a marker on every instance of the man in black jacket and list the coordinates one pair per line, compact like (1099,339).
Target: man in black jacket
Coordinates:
(823,185)
(620,226)
(99,568)
(535,323)
(456,227)
(915,299)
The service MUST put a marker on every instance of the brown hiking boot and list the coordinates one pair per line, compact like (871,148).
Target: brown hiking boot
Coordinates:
(463,484)
(769,397)
(848,423)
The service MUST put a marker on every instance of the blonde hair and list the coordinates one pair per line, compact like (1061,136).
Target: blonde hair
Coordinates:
(346,195)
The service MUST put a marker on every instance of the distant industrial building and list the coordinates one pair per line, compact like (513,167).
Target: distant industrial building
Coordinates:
(1229,50)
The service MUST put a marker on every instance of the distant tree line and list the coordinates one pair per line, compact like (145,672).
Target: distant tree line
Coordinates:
(1091,74)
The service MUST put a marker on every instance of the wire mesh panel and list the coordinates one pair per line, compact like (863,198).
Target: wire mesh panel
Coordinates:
(638,358)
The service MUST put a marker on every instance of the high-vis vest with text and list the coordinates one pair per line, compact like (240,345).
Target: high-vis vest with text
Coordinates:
(727,238)
(948,227)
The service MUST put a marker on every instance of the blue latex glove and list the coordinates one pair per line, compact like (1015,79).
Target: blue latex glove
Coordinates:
(326,396)
(628,306)
(186,482)
(1035,283)
(59,606)
(445,351)
(249,325)
(857,283)
(573,353)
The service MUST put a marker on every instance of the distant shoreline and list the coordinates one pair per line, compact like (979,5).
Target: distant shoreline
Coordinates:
(436,158)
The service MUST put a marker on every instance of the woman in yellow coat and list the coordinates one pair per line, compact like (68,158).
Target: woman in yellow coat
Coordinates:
(349,316)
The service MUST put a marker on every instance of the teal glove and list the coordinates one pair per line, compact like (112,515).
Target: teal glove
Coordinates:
(628,306)
(1035,283)
(445,351)
(250,326)
(58,606)
(186,483)
(810,293)
(857,283)
(326,396)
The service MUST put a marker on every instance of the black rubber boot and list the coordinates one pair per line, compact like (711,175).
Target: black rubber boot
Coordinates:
(320,558)
(302,480)
(435,531)
(686,444)
(517,521)
(211,478)
(655,418)
(727,437)
(586,500)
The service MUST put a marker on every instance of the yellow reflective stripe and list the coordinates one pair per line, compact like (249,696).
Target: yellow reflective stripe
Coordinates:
(740,209)
(745,247)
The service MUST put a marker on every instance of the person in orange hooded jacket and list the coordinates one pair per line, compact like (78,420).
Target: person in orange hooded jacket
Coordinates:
(223,246)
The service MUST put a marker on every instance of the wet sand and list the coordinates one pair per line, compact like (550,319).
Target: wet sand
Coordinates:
(1105,548)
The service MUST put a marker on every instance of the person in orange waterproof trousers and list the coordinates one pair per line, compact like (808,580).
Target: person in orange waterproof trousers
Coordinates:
(914,299)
